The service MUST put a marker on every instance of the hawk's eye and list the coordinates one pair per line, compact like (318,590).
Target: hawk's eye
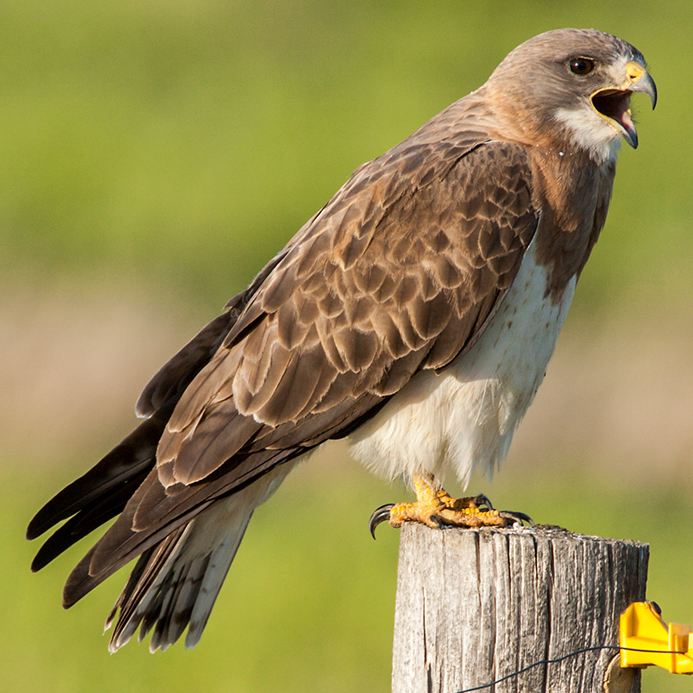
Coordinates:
(581,66)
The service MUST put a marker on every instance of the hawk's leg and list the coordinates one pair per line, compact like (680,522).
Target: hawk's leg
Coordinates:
(435,507)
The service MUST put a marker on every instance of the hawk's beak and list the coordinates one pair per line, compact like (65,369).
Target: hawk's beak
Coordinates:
(614,104)
(639,80)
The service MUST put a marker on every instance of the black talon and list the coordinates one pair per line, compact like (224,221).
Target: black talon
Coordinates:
(438,520)
(482,501)
(379,515)
(519,518)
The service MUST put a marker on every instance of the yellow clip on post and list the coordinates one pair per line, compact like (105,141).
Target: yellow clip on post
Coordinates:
(642,628)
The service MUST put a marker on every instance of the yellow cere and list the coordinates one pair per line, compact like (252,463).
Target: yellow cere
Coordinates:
(634,71)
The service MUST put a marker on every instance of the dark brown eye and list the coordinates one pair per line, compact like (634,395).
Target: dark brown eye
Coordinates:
(581,66)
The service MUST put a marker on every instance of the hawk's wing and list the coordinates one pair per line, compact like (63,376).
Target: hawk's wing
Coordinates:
(400,272)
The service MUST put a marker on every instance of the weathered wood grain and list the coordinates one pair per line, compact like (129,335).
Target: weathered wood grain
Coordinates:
(475,605)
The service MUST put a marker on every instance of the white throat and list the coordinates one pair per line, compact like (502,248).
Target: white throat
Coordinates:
(591,132)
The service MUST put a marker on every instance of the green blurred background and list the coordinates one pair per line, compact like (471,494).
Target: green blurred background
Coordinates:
(153,155)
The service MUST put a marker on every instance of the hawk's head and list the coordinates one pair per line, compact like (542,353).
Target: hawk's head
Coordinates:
(573,85)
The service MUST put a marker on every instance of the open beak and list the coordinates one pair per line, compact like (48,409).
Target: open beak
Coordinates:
(614,104)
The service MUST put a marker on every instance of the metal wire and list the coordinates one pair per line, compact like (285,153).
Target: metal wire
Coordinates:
(560,659)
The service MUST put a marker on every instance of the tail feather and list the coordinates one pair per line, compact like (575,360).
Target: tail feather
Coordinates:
(150,565)
(219,564)
(177,585)
(122,542)
(83,579)
(179,604)
(174,584)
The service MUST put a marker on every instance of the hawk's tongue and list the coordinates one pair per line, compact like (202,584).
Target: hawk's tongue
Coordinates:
(626,122)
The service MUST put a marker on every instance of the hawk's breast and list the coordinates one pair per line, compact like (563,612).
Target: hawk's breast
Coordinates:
(464,417)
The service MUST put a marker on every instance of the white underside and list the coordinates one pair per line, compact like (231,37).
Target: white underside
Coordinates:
(464,417)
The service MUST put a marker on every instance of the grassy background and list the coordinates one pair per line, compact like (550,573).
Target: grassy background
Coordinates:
(154,155)
(183,142)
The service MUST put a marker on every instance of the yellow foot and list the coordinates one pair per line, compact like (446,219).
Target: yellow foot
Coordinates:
(436,508)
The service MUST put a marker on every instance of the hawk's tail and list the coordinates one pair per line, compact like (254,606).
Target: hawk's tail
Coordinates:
(175,583)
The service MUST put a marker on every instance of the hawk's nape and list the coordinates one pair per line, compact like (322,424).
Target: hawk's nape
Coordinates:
(414,314)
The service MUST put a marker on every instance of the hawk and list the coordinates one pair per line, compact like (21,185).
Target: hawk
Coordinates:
(414,315)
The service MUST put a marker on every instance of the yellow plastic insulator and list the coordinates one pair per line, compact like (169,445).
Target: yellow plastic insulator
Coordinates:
(642,628)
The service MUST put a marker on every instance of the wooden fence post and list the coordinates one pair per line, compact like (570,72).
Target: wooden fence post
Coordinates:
(476,605)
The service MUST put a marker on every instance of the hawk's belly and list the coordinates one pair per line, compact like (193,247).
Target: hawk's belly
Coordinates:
(464,417)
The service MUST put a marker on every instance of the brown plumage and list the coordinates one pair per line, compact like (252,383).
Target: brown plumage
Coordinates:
(399,275)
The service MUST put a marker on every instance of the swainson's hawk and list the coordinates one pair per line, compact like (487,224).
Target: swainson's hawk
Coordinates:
(414,314)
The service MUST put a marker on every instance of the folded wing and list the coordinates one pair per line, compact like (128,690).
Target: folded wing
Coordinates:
(400,272)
